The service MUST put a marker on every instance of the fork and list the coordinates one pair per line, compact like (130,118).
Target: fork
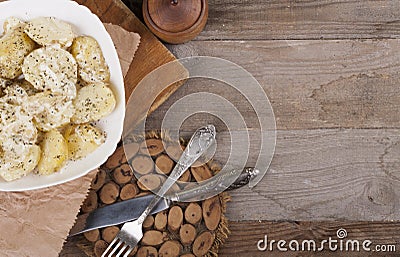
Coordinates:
(131,232)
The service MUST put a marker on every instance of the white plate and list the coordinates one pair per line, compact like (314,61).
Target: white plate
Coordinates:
(84,23)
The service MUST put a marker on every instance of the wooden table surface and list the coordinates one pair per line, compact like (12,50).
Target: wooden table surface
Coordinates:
(331,71)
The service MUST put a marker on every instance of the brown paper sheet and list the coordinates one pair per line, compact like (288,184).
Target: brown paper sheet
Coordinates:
(126,44)
(36,223)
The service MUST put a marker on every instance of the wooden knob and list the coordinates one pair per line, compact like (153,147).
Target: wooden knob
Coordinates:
(175,21)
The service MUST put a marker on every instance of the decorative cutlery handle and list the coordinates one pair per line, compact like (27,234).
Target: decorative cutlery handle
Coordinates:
(214,185)
(244,178)
(201,140)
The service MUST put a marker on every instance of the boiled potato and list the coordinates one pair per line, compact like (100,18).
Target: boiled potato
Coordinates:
(14,46)
(29,89)
(14,94)
(92,66)
(49,110)
(80,83)
(82,140)
(14,166)
(46,114)
(16,128)
(92,103)
(4,83)
(48,31)
(51,68)
(54,152)
(11,23)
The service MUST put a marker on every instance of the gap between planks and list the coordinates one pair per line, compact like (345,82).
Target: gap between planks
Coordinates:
(318,84)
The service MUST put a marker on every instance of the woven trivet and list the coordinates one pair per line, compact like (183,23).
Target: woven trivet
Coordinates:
(185,229)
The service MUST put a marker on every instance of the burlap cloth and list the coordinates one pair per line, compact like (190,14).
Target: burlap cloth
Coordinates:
(36,223)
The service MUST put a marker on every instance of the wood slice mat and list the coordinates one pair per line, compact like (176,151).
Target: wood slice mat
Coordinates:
(186,229)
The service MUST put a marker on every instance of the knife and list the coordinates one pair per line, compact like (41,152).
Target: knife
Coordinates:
(128,210)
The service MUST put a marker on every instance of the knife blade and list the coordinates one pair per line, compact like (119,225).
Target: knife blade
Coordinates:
(128,210)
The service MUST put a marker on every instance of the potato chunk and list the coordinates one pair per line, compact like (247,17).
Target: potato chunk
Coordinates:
(48,31)
(49,110)
(92,66)
(4,83)
(92,103)
(51,68)
(29,89)
(11,23)
(14,94)
(14,46)
(83,139)
(16,127)
(14,166)
(54,152)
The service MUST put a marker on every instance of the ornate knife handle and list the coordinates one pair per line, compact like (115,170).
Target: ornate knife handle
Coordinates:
(214,185)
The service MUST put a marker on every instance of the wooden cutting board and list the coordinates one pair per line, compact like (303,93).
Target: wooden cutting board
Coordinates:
(150,54)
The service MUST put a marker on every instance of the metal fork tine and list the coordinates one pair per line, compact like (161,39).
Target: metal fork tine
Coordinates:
(115,248)
(121,251)
(109,247)
(130,249)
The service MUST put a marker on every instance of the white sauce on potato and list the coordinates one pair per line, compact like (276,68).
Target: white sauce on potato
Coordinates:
(48,31)
(39,108)
(52,68)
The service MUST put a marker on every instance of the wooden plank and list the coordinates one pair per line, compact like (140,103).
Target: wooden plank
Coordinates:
(150,55)
(305,19)
(311,84)
(328,174)
(295,20)
(245,235)
(325,175)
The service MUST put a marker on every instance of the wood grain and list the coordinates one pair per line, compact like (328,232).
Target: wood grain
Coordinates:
(245,235)
(323,174)
(304,19)
(311,84)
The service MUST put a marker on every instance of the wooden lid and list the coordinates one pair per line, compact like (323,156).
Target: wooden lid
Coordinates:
(175,21)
